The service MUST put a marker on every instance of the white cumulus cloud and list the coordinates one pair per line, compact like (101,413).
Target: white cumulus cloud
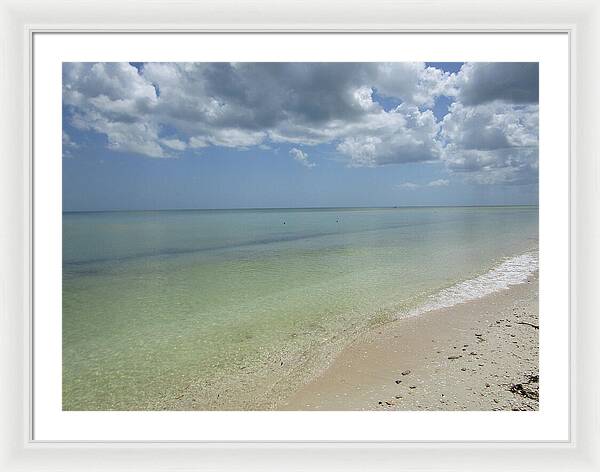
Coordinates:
(372,114)
(494,142)
(301,157)
(176,144)
(433,183)
(408,185)
(439,183)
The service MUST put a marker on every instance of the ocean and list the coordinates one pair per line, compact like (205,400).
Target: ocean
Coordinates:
(233,309)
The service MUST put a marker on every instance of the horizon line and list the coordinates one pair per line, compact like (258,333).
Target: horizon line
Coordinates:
(387,207)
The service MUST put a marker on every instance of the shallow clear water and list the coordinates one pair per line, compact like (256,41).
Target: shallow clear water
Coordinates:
(232,309)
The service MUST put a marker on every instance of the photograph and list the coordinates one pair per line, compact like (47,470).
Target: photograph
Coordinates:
(300,236)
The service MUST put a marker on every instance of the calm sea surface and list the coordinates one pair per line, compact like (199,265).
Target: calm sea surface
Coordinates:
(232,309)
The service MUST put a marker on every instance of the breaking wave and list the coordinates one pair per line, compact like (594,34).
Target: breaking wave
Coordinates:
(512,271)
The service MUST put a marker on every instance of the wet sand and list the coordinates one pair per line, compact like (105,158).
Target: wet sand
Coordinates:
(479,355)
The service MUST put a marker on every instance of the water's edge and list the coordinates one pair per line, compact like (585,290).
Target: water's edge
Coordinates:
(300,368)
(511,271)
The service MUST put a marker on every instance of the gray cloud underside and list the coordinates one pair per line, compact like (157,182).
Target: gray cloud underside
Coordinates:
(490,134)
(516,82)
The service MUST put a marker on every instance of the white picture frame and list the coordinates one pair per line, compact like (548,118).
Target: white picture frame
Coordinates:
(20,20)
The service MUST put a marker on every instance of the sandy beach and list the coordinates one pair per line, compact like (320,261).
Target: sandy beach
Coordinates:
(479,355)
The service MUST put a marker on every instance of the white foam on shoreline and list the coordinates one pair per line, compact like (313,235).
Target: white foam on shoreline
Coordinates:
(512,271)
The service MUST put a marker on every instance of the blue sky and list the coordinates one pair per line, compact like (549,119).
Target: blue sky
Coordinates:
(218,135)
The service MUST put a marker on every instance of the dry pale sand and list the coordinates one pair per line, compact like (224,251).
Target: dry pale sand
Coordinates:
(479,355)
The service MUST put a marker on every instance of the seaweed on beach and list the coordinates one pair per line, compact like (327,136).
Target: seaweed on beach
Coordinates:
(529,389)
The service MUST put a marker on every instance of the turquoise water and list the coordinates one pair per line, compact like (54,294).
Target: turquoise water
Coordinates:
(232,309)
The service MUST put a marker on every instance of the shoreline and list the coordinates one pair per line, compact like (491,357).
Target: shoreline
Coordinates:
(395,363)
(478,355)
